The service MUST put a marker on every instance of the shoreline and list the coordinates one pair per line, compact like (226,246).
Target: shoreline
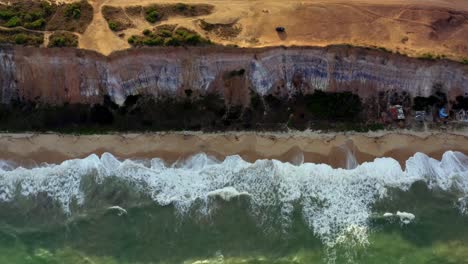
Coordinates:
(31,149)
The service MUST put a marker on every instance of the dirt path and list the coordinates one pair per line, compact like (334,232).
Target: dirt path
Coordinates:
(98,36)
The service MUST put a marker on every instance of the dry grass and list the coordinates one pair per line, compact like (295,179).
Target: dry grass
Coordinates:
(63,39)
(116,18)
(223,31)
(63,20)
(21,37)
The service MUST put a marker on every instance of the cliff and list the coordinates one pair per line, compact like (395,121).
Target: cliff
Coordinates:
(71,75)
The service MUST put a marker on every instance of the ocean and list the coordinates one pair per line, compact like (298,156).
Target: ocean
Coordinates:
(204,210)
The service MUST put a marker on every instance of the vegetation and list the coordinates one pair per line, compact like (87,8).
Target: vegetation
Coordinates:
(465,61)
(430,56)
(73,10)
(113,25)
(31,15)
(427,56)
(152,15)
(21,37)
(41,15)
(166,36)
(155,13)
(63,39)
(74,17)
(181,7)
(384,49)
(116,18)
(224,31)
(37,24)
(191,10)
(13,22)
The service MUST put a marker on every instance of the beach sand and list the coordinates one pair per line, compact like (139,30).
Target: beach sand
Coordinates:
(32,149)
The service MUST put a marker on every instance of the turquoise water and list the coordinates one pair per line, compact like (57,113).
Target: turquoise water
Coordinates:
(200,210)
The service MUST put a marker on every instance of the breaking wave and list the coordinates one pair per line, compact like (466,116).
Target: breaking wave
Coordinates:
(333,202)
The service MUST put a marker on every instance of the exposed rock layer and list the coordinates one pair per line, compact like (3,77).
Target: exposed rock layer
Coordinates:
(73,75)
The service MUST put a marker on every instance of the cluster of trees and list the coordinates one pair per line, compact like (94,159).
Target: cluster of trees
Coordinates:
(63,39)
(31,15)
(73,10)
(165,37)
(21,37)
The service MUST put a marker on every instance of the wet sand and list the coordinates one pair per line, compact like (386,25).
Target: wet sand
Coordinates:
(32,149)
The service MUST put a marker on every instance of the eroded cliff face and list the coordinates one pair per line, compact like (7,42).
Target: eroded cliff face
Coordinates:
(72,75)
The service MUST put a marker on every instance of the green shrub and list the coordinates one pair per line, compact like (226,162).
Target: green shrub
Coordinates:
(47,8)
(73,11)
(6,14)
(465,61)
(37,24)
(58,42)
(165,37)
(157,41)
(113,26)
(13,22)
(132,40)
(181,7)
(171,42)
(427,56)
(37,15)
(21,39)
(165,33)
(193,39)
(28,18)
(65,39)
(384,49)
(181,32)
(76,13)
(152,15)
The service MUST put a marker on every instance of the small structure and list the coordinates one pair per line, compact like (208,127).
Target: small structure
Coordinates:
(280,29)
(462,116)
(397,113)
(420,116)
(443,113)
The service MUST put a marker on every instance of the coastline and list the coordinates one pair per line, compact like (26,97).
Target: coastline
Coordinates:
(31,149)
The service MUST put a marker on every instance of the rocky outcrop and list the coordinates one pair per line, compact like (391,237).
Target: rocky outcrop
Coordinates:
(73,75)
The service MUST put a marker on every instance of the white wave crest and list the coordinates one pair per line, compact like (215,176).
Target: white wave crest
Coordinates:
(332,200)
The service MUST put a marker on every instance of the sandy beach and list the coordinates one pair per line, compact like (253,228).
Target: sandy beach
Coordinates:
(32,149)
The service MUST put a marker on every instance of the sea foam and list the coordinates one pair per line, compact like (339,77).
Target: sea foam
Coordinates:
(334,202)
